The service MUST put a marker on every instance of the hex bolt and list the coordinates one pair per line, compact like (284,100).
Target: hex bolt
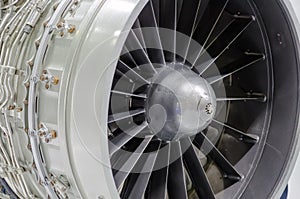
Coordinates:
(55,6)
(41,133)
(53,133)
(41,126)
(11,107)
(30,63)
(27,84)
(37,43)
(71,28)
(61,33)
(55,80)
(47,86)
(26,130)
(42,77)
(60,25)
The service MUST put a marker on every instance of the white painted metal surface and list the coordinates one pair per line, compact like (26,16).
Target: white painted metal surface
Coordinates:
(294,191)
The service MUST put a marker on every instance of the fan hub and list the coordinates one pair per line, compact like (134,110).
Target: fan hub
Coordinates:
(180,103)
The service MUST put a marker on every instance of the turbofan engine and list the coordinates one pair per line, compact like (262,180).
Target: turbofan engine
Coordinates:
(142,99)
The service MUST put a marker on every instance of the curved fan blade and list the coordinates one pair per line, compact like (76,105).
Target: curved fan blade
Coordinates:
(205,145)
(196,171)
(176,179)
(137,182)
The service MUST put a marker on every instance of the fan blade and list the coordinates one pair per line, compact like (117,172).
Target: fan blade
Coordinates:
(125,168)
(136,184)
(138,51)
(124,115)
(226,39)
(188,16)
(245,137)
(130,72)
(129,94)
(205,145)
(168,20)
(211,16)
(236,66)
(196,171)
(120,140)
(176,177)
(151,35)
(157,187)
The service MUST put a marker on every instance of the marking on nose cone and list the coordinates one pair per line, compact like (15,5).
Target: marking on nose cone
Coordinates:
(209,108)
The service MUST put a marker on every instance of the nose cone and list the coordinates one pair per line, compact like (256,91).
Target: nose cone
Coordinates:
(180,104)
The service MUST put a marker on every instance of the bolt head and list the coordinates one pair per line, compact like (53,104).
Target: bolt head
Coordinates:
(42,78)
(55,80)
(71,29)
(53,134)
